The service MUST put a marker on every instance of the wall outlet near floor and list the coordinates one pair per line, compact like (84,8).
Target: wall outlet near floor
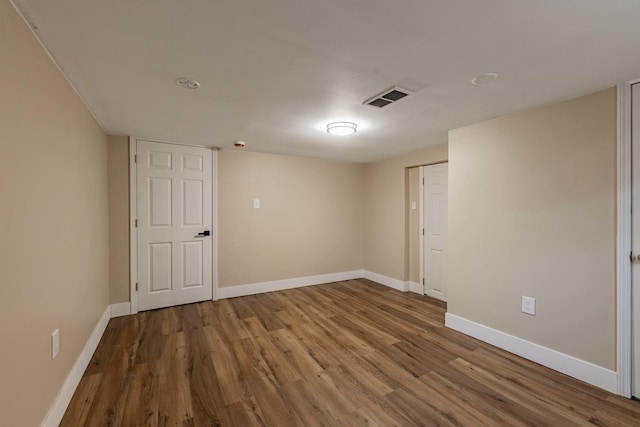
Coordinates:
(529,305)
(55,343)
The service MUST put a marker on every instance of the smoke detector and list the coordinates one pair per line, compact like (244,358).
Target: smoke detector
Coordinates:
(387,97)
(186,83)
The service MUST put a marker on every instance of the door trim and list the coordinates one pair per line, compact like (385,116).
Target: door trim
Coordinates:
(133,235)
(421,215)
(623,264)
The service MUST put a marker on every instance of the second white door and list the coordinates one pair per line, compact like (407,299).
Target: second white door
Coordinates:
(434,211)
(174,233)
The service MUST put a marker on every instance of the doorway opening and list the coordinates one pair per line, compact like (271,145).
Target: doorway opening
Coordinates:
(173,238)
(427,192)
(628,240)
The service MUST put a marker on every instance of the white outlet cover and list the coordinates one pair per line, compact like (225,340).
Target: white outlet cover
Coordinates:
(55,343)
(256,203)
(529,305)
(413,206)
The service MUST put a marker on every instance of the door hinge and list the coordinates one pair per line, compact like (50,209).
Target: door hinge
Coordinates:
(136,286)
(422,181)
(423,281)
(135,158)
(423,231)
(136,222)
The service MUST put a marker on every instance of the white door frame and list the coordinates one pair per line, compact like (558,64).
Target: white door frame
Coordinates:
(133,235)
(623,262)
(421,215)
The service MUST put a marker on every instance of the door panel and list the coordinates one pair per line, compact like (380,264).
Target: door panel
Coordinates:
(160,202)
(192,255)
(174,201)
(435,201)
(192,204)
(160,267)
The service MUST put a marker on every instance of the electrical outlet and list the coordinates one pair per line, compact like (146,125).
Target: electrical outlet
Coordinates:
(55,343)
(413,206)
(256,203)
(529,305)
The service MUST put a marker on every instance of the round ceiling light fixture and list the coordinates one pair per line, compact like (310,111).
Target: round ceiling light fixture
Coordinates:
(342,128)
(239,144)
(484,79)
(186,83)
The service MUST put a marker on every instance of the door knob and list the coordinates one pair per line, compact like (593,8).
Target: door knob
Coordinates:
(203,234)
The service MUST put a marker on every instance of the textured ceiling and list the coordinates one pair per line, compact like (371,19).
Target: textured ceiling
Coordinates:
(273,73)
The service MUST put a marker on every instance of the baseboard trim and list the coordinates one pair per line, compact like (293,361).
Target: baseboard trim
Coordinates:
(56,412)
(569,365)
(396,284)
(416,287)
(120,309)
(279,285)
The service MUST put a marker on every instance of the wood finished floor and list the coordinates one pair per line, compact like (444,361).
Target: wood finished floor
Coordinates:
(343,354)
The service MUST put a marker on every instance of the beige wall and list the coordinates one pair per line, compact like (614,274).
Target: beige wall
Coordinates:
(386,219)
(309,223)
(118,219)
(312,220)
(414,224)
(53,224)
(532,212)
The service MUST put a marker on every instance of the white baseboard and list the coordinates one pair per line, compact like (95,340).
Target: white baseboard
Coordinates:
(120,309)
(56,412)
(416,287)
(387,281)
(278,285)
(569,365)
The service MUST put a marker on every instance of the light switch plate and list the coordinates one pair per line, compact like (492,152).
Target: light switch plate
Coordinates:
(413,206)
(256,203)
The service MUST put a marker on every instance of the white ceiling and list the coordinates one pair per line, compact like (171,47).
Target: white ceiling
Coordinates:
(273,73)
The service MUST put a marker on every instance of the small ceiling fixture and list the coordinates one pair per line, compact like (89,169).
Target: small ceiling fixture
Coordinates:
(342,128)
(239,144)
(484,78)
(187,83)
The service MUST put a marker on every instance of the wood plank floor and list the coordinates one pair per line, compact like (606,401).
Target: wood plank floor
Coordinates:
(343,354)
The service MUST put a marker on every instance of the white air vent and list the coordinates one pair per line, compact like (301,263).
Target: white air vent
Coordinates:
(387,97)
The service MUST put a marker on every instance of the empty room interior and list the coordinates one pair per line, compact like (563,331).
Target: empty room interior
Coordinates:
(296,213)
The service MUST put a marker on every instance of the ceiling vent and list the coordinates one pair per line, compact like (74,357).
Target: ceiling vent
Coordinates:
(387,97)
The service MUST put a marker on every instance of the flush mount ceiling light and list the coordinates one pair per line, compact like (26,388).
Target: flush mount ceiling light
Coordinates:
(342,128)
(484,79)
(187,83)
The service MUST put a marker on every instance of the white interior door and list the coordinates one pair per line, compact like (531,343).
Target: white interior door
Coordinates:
(174,213)
(434,210)
(635,237)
